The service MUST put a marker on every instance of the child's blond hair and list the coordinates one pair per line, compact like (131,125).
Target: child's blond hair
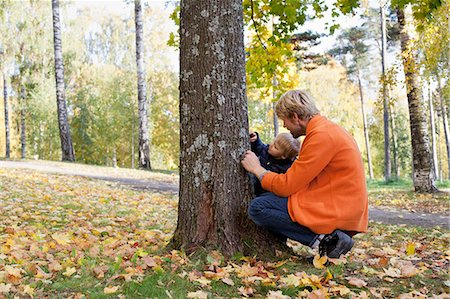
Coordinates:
(287,144)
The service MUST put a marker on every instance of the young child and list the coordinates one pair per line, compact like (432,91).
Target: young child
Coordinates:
(277,156)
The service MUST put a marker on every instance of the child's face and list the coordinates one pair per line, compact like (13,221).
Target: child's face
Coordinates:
(275,151)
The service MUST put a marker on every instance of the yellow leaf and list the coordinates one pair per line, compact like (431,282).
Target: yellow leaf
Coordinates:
(410,248)
(141,252)
(291,280)
(69,271)
(61,238)
(329,276)
(110,290)
(319,262)
(28,290)
(281,263)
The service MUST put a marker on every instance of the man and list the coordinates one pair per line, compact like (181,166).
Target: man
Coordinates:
(321,201)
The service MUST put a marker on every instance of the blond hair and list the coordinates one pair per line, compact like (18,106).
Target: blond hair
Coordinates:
(287,144)
(296,102)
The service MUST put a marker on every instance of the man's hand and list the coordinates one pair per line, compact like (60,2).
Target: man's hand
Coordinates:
(251,164)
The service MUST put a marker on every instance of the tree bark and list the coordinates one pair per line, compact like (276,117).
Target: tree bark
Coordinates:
(433,134)
(214,187)
(423,177)
(366,130)
(64,128)
(444,112)
(387,147)
(132,137)
(5,100)
(395,163)
(23,131)
(144,147)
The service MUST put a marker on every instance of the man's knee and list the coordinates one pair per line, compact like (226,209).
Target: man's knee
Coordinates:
(256,210)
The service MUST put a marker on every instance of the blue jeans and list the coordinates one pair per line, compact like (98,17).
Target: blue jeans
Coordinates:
(271,212)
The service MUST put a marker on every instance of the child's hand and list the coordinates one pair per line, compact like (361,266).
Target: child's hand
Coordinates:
(253,137)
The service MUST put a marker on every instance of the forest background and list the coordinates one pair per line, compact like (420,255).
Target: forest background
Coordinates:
(100,79)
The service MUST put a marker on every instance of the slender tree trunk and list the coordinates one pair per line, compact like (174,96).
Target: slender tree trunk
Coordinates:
(387,148)
(433,134)
(214,187)
(114,158)
(64,128)
(395,162)
(132,137)
(23,131)
(366,130)
(444,111)
(5,99)
(144,147)
(423,177)
(275,117)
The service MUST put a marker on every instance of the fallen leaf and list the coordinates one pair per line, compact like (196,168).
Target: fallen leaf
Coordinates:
(410,248)
(28,290)
(393,272)
(110,290)
(319,261)
(62,238)
(198,295)
(357,282)
(246,291)
(69,271)
(228,281)
(5,288)
(408,270)
(277,295)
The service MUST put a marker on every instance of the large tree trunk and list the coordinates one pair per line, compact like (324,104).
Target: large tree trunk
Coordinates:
(387,147)
(214,188)
(444,112)
(144,147)
(64,128)
(23,131)
(433,134)
(5,99)
(423,177)
(366,130)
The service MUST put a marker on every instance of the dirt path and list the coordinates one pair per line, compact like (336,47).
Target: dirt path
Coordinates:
(386,215)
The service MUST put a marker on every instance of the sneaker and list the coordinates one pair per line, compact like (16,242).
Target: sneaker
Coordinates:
(335,244)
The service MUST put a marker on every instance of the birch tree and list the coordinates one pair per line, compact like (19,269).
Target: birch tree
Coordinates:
(423,177)
(63,122)
(144,147)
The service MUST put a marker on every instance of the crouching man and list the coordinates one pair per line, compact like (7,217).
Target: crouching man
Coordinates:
(321,201)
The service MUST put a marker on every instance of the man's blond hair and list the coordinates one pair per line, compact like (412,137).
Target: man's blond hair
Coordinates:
(287,144)
(296,102)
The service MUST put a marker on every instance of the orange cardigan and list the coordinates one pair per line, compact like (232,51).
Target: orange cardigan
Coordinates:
(326,186)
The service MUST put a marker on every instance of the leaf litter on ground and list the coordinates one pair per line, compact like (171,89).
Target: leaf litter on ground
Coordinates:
(57,229)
